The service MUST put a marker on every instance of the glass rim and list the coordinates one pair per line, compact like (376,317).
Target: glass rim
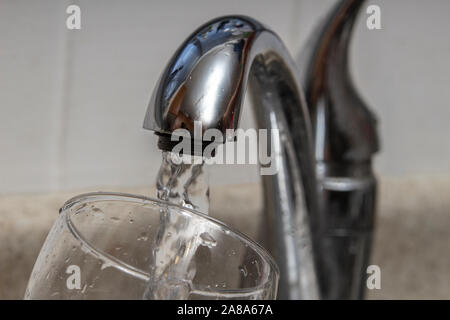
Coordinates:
(137,272)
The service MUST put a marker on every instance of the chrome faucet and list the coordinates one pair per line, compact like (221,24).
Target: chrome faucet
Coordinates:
(206,81)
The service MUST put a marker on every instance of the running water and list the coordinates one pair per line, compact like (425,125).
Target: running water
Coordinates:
(183,184)
(178,238)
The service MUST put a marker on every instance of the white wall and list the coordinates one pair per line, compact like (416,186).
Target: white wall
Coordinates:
(72,102)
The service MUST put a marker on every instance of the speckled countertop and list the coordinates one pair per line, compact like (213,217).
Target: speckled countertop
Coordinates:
(411,246)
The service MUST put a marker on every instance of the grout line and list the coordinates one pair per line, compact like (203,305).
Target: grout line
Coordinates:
(295,27)
(64,92)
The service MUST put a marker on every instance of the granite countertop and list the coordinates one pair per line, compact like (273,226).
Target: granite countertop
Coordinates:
(411,239)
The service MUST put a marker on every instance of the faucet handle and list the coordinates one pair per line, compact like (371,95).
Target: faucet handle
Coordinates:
(344,127)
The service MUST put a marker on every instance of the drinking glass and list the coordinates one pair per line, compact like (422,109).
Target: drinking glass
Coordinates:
(121,246)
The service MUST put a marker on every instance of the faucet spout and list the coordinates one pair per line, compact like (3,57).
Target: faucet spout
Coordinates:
(206,81)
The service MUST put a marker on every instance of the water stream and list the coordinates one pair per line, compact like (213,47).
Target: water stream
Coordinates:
(176,243)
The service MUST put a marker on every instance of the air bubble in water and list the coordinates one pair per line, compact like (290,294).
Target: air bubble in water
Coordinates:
(244,270)
(142,237)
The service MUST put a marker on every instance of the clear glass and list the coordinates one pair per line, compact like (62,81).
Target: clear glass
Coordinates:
(120,246)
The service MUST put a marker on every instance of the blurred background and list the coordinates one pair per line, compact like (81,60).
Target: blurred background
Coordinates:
(72,104)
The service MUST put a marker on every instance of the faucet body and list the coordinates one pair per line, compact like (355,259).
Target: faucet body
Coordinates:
(345,140)
(206,81)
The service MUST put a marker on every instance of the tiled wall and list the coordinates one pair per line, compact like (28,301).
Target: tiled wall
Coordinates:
(72,101)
